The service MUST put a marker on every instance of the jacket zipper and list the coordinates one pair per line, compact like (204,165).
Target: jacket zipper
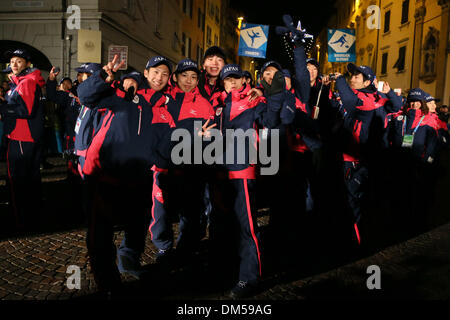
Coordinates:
(140,118)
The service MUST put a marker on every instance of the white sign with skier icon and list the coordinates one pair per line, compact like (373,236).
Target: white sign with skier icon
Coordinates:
(253,40)
(341,45)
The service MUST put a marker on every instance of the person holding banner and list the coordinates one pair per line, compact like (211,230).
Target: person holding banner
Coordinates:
(362,108)
(295,173)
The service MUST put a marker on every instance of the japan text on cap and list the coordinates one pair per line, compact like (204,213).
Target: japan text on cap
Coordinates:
(156,61)
(187,64)
(429,98)
(231,70)
(416,94)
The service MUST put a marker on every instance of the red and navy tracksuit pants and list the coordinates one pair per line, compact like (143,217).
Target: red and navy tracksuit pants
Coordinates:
(178,193)
(188,192)
(23,161)
(161,232)
(356,177)
(113,204)
(233,214)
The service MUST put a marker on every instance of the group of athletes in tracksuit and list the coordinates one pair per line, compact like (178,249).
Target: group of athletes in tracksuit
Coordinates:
(123,134)
(129,171)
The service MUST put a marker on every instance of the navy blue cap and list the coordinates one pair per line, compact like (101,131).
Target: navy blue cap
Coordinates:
(7,70)
(365,70)
(231,70)
(286,73)
(63,79)
(247,74)
(313,62)
(416,94)
(89,68)
(215,51)
(270,63)
(187,64)
(21,53)
(156,61)
(429,98)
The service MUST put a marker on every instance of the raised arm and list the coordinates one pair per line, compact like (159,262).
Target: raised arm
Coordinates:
(22,104)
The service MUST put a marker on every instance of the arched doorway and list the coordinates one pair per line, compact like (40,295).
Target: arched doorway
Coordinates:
(39,60)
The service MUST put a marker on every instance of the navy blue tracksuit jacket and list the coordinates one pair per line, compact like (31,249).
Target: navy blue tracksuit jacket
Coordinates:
(135,134)
(71,106)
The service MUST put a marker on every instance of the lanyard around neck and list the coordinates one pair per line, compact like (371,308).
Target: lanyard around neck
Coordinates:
(417,127)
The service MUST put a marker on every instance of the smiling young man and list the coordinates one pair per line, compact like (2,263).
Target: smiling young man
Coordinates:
(132,136)
(70,104)
(213,62)
(23,118)
(188,181)
(234,183)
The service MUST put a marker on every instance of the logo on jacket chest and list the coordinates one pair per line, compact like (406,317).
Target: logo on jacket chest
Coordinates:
(238,108)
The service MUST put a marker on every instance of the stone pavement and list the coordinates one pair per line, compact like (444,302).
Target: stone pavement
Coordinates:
(34,267)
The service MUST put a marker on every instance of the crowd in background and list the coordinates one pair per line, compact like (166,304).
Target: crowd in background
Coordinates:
(338,138)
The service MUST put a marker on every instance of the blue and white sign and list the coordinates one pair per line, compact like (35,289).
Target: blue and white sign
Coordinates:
(253,40)
(341,45)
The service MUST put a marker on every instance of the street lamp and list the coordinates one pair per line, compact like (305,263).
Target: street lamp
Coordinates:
(318,51)
(240,22)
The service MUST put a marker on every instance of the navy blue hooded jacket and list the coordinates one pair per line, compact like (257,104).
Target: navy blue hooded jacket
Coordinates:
(68,102)
(303,132)
(208,91)
(134,134)
(23,115)
(364,112)
(234,111)
(426,139)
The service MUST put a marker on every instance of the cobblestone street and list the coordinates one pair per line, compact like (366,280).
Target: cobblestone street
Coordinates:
(34,266)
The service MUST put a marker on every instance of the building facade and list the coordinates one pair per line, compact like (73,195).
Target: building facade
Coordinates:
(213,14)
(176,29)
(193,25)
(406,42)
(146,27)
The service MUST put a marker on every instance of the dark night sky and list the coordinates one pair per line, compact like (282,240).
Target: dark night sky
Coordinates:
(313,14)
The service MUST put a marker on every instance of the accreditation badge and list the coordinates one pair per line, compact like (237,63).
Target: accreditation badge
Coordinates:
(316,112)
(408,140)
(77,125)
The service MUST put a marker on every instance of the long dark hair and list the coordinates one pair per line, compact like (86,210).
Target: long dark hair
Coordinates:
(423,107)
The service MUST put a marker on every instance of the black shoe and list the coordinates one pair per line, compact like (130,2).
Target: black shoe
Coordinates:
(243,289)
(131,266)
(164,257)
(46,165)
